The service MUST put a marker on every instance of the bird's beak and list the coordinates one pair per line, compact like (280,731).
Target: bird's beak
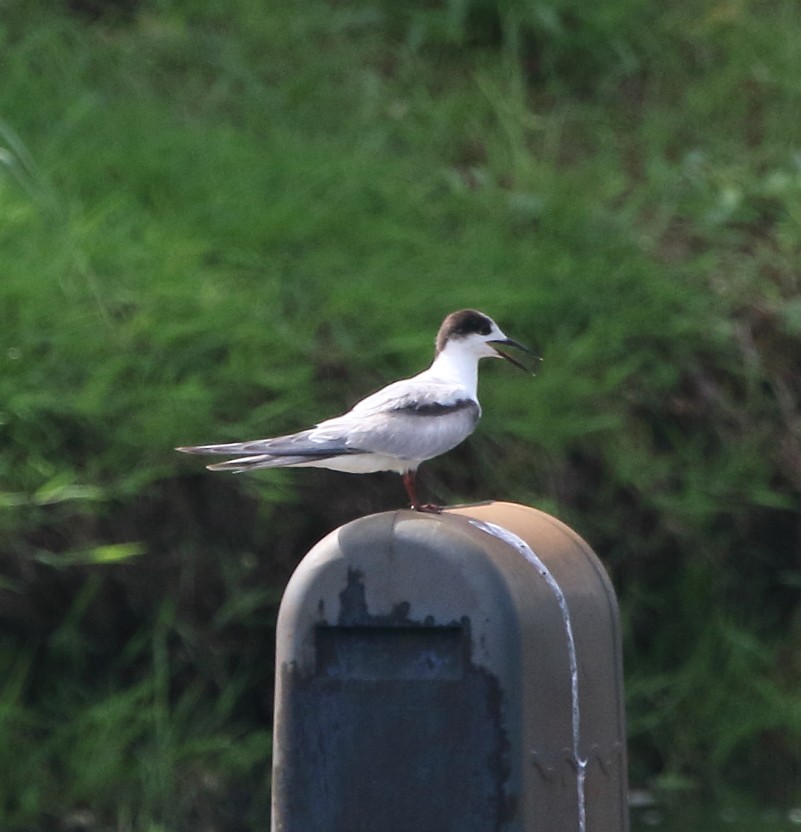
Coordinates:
(508,342)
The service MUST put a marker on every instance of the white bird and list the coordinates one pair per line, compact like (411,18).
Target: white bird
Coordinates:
(398,427)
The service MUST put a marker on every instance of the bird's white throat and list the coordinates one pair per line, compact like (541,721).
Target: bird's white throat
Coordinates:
(455,363)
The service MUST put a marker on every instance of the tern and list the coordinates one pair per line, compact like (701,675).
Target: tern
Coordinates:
(398,427)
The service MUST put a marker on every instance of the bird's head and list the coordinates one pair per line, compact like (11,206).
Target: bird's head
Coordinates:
(477,334)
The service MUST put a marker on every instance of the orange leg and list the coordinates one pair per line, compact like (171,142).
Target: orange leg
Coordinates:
(409,480)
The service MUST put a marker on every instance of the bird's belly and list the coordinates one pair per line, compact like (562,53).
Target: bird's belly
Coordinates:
(361,463)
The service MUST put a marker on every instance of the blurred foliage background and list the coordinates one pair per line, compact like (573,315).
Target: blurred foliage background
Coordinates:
(224,220)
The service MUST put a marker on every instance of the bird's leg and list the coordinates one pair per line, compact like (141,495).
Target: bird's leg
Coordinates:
(409,484)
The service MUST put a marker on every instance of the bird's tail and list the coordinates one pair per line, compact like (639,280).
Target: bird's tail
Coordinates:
(256,456)
(251,463)
(279,452)
(230,449)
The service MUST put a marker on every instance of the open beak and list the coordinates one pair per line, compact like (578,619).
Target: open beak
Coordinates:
(508,342)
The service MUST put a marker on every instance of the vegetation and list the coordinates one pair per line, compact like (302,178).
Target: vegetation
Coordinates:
(217,217)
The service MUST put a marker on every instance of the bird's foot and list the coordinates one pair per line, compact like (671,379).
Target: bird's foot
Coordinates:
(428,508)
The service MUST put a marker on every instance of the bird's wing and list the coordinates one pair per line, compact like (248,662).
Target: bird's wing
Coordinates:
(409,419)
(417,392)
(413,421)
(293,444)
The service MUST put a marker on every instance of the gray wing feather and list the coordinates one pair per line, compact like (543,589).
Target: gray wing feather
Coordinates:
(403,420)
(293,444)
(414,433)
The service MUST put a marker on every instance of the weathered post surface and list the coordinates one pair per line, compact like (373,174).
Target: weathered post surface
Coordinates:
(450,673)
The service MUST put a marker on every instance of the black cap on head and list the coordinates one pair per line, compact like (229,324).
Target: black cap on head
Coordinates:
(461,324)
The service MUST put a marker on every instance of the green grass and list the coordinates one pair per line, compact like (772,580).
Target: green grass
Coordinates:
(217,218)
(150,736)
